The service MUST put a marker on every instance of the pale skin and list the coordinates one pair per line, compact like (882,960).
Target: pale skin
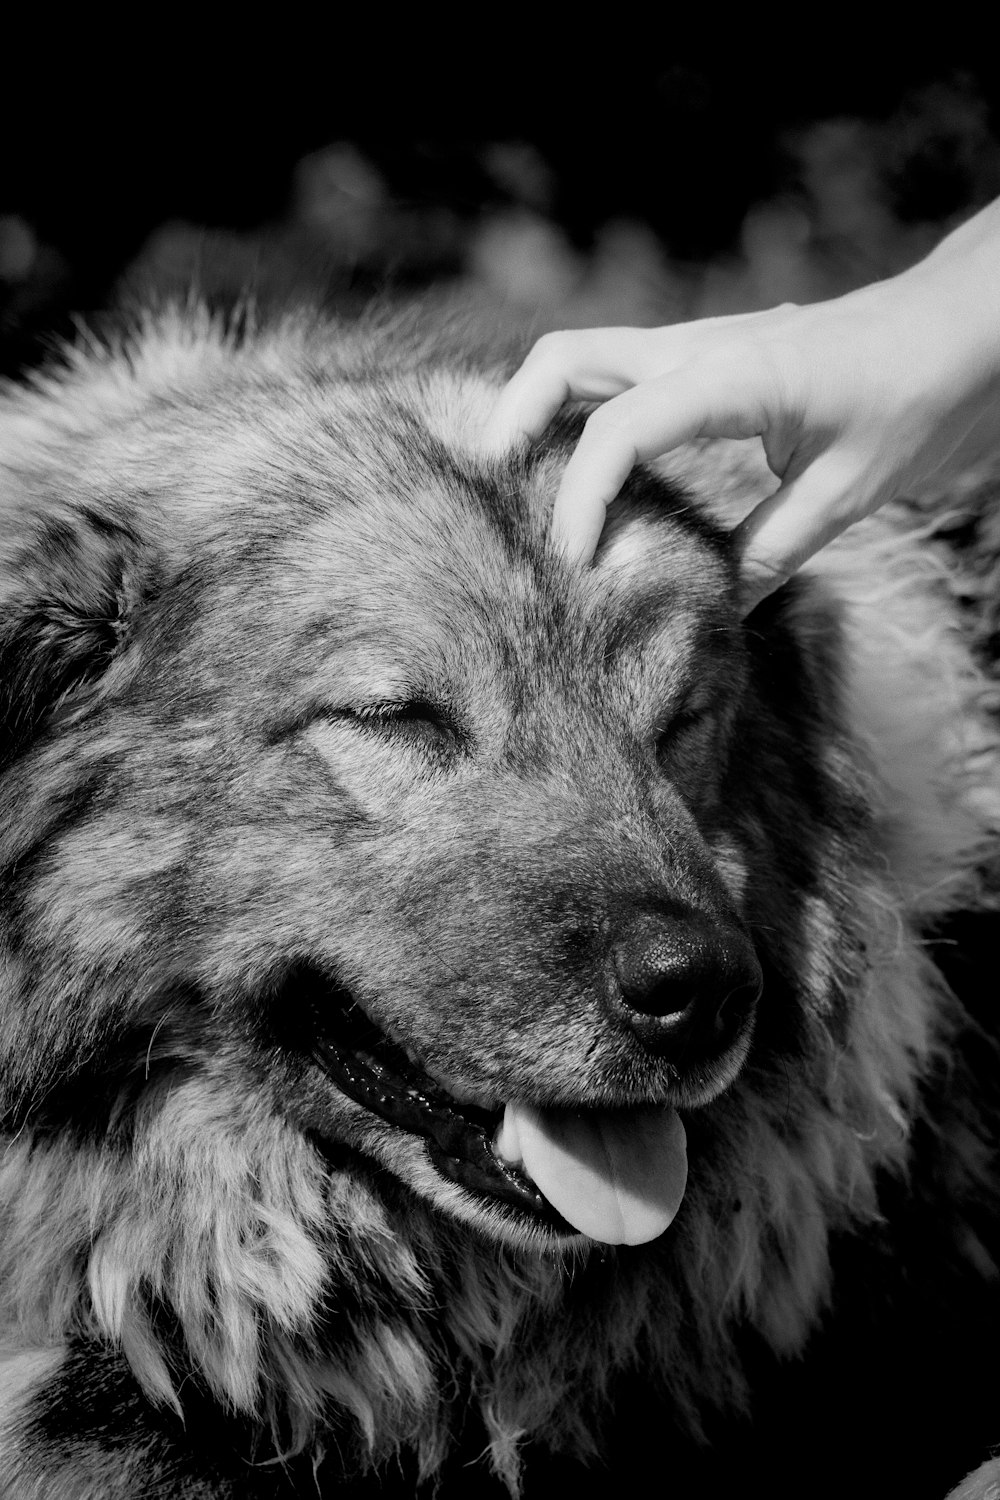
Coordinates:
(856,400)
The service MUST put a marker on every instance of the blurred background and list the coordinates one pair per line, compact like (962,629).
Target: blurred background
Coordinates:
(631,183)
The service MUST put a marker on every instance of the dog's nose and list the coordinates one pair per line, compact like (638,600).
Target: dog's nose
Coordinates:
(685,985)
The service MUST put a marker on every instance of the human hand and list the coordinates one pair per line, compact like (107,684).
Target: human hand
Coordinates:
(855,400)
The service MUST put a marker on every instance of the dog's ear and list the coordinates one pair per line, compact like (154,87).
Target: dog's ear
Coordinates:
(69,595)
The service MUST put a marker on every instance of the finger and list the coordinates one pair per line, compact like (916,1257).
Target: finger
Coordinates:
(800,518)
(713,397)
(592,364)
(525,406)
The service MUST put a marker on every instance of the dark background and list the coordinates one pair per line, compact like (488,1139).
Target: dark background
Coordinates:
(631,179)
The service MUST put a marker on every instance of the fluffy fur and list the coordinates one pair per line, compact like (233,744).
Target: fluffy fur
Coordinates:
(299,709)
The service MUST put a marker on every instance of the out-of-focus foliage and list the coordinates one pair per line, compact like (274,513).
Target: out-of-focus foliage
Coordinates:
(851,200)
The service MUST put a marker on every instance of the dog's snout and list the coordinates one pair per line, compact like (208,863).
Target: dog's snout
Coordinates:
(685,985)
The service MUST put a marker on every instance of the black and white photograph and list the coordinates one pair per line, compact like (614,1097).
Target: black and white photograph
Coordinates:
(500,770)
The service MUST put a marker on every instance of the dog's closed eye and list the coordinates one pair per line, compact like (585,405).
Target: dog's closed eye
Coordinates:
(407,723)
(411,718)
(687,743)
(694,711)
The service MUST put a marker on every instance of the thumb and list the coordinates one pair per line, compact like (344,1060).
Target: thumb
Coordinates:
(802,515)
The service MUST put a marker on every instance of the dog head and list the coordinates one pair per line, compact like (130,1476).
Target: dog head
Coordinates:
(325,774)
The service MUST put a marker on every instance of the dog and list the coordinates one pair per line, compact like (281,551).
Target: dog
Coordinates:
(470,1020)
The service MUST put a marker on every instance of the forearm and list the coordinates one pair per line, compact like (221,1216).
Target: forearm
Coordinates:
(977,237)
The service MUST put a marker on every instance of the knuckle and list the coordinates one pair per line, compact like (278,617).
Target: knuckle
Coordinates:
(606,421)
(761,368)
(610,427)
(552,349)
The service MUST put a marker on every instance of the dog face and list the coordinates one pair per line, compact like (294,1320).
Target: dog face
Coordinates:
(525,769)
(429,833)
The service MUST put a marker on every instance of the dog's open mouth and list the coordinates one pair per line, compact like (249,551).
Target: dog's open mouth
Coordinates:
(616,1176)
(376,1073)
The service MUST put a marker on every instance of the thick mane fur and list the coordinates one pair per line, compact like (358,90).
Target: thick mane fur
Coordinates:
(203,1231)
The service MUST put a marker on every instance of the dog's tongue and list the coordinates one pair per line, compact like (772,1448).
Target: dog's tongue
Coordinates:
(617,1177)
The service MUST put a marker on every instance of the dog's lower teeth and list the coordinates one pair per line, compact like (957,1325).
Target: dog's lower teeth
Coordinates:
(506,1143)
(466,1143)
